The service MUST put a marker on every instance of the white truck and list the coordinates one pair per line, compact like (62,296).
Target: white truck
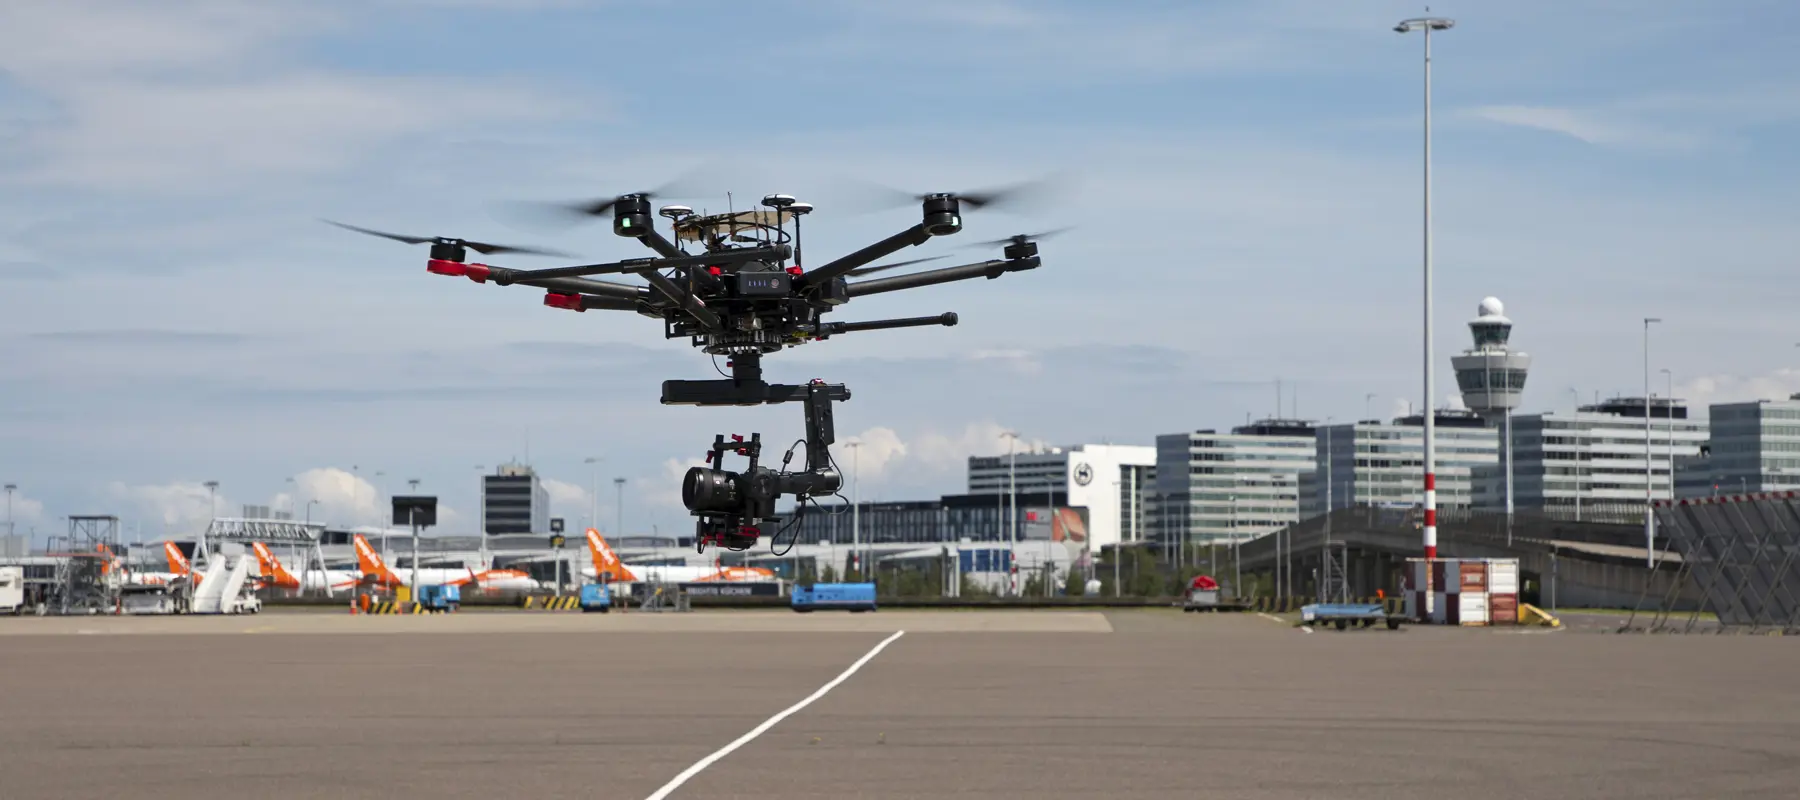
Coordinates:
(12,590)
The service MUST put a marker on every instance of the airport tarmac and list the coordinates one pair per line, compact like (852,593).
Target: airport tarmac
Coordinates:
(1130,704)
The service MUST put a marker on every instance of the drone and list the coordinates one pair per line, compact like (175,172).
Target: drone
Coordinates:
(742,294)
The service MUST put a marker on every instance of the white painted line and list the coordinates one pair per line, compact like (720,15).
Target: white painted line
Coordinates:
(770,722)
(1306,628)
(1270,617)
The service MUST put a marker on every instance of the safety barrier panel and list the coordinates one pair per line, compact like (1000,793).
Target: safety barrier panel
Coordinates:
(565,603)
(1743,554)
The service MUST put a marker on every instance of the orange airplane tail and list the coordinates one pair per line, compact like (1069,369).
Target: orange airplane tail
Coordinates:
(371,563)
(607,566)
(269,568)
(178,563)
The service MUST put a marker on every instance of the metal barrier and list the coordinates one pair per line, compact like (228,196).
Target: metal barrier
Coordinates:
(564,603)
(1743,553)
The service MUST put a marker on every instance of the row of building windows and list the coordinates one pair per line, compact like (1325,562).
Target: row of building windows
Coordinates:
(1483,380)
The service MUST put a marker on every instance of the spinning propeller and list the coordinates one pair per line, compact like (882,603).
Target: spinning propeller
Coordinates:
(1020,238)
(479,247)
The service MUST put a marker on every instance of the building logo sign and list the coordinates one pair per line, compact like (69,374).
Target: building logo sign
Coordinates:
(1084,474)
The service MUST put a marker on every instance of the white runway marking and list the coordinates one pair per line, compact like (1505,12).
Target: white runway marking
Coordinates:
(1271,617)
(770,722)
(1306,628)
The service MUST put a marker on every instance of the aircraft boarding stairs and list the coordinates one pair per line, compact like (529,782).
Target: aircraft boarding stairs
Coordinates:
(221,589)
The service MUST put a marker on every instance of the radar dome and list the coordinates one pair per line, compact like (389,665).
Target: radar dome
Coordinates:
(1492,307)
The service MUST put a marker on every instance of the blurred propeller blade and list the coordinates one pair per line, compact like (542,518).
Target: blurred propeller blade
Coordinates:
(1021,238)
(871,196)
(480,247)
(395,236)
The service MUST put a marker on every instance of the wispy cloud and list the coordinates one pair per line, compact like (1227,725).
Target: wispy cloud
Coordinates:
(144,336)
(1593,127)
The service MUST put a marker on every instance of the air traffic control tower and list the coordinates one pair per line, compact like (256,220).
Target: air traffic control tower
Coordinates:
(1492,377)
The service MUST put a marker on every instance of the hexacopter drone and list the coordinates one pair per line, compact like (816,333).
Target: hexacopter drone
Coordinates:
(744,295)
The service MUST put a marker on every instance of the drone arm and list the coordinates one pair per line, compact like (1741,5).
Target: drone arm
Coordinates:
(510,276)
(656,241)
(911,237)
(682,297)
(985,269)
(584,302)
(582,286)
(946,319)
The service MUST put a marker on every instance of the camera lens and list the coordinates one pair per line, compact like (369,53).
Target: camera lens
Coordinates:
(713,490)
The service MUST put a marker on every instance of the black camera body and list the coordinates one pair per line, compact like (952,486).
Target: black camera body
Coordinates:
(731,505)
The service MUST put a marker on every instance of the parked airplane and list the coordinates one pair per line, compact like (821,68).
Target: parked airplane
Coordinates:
(497,579)
(605,561)
(178,567)
(274,574)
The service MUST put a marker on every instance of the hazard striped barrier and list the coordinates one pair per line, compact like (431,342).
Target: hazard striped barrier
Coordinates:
(565,603)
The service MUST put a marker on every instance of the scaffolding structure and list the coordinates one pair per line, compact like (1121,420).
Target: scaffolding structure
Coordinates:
(87,579)
(1742,553)
(1335,585)
(297,537)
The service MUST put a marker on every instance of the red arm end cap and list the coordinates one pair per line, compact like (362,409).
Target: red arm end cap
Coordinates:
(571,302)
(478,272)
(455,269)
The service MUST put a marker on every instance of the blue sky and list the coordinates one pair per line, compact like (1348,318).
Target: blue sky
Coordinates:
(1244,175)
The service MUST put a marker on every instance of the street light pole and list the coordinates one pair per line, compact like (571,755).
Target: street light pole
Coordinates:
(1669,428)
(10,488)
(1428,24)
(413,592)
(481,511)
(594,512)
(212,502)
(1012,510)
(620,483)
(1649,499)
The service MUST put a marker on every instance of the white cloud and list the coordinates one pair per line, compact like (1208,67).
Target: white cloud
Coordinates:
(1594,127)
(1402,406)
(664,491)
(25,510)
(137,134)
(929,457)
(573,502)
(202,92)
(1698,393)
(182,508)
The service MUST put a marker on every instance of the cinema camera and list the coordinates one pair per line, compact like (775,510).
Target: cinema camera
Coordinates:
(742,296)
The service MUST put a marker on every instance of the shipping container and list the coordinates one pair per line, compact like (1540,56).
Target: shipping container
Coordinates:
(1503,609)
(1503,576)
(1471,608)
(1473,575)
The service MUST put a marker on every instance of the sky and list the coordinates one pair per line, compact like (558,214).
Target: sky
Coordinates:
(1244,181)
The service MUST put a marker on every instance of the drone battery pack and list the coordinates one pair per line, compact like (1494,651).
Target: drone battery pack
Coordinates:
(763,284)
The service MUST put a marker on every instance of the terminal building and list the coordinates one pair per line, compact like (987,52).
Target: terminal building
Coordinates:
(1215,488)
(1590,465)
(1755,447)
(514,500)
(1383,463)
(1109,482)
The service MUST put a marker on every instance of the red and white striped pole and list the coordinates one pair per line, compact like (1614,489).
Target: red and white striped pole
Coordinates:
(1427,25)
(1430,503)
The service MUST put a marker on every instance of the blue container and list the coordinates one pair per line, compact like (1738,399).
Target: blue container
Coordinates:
(440,596)
(596,597)
(835,596)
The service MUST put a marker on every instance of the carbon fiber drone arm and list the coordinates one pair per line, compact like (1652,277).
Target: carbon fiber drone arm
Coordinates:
(985,269)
